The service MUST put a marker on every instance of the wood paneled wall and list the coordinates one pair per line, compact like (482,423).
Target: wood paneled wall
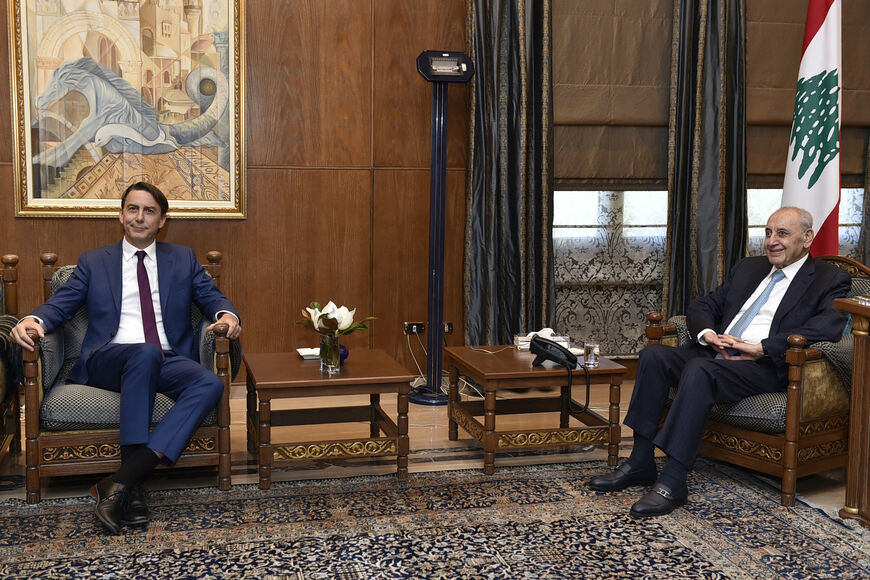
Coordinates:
(337,166)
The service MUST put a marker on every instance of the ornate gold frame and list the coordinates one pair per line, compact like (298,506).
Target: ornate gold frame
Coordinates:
(200,187)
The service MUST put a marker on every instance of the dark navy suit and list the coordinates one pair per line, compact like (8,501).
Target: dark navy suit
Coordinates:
(138,371)
(702,380)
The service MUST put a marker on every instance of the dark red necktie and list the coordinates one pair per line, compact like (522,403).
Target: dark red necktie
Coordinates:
(149,321)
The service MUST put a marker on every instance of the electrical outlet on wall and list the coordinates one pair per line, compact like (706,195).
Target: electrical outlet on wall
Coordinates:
(414,327)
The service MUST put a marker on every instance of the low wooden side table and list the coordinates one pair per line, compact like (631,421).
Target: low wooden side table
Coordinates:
(287,375)
(505,367)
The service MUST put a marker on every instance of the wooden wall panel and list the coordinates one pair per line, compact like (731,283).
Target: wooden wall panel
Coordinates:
(403,98)
(323,223)
(309,83)
(5,101)
(401,258)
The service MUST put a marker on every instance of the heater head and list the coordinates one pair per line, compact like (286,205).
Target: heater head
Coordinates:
(445,67)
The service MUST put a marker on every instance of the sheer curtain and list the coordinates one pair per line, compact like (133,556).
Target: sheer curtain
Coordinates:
(508,266)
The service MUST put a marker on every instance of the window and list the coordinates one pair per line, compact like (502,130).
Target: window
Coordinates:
(579,214)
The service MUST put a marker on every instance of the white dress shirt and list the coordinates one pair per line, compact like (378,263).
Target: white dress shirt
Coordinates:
(130,328)
(759,328)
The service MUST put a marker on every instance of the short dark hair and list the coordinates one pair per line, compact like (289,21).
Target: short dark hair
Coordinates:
(150,188)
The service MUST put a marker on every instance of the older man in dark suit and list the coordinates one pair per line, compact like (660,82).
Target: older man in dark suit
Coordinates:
(139,342)
(740,333)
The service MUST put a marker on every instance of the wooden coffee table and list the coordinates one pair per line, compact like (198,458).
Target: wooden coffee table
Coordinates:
(287,375)
(499,367)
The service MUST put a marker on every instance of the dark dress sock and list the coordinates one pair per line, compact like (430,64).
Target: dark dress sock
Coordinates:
(128,450)
(674,474)
(642,453)
(136,467)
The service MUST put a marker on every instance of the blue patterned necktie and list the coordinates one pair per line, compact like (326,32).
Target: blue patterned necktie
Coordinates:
(743,323)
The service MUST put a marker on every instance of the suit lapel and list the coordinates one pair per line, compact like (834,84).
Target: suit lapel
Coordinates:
(113,266)
(165,268)
(796,289)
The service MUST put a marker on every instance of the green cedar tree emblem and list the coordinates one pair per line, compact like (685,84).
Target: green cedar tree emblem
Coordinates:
(815,129)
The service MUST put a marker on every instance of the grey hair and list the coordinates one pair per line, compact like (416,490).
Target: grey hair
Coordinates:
(805,217)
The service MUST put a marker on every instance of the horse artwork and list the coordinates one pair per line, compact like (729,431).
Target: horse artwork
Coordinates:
(139,91)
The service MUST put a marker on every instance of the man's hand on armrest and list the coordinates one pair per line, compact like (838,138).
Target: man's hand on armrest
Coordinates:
(19,332)
(235,329)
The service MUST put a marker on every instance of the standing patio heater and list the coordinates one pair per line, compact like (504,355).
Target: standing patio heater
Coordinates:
(439,68)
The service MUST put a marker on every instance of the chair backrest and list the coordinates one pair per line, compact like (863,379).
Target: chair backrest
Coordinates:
(9,285)
(860,273)
(49,267)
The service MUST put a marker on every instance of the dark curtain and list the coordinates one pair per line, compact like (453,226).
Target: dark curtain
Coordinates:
(508,266)
(707,149)
(864,236)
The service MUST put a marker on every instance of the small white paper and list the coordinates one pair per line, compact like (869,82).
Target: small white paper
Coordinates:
(309,353)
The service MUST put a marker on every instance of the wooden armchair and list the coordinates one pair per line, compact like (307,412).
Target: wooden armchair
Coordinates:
(73,429)
(801,431)
(10,364)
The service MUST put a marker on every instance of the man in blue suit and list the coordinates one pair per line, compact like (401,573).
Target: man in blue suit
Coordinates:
(139,342)
(740,333)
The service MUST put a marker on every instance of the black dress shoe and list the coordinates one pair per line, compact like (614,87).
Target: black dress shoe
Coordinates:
(624,476)
(136,513)
(658,501)
(111,502)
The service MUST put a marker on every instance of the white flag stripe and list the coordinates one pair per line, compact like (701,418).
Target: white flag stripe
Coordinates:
(822,55)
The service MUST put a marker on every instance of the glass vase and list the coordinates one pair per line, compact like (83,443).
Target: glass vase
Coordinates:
(329,354)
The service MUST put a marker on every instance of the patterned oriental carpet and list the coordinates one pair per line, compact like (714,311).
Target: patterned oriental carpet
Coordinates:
(522,522)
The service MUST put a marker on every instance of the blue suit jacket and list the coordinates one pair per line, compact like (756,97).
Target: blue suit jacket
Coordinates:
(96,283)
(806,308)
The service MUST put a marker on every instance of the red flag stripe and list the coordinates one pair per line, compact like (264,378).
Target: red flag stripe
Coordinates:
(817,11)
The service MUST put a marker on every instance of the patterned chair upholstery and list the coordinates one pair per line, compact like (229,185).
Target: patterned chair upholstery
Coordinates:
(10,360)
(801,431)
(73,428)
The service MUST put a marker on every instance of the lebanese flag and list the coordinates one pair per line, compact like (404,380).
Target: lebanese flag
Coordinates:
(812,173)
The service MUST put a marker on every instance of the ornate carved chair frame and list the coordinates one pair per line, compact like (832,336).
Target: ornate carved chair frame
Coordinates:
(816,433)
(76,452)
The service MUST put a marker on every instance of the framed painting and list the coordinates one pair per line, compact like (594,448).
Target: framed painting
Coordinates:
(113,92)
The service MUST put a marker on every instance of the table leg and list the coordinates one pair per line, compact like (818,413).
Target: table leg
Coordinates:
(251,421)
(264,456)
(489,431)
(374,401)
(452,399)
(615,429)
(565,405)
(404,442)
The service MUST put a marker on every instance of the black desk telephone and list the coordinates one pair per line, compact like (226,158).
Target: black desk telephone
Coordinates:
(545,349)
(548,350)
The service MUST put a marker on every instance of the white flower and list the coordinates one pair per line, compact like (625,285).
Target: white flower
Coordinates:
(344,317)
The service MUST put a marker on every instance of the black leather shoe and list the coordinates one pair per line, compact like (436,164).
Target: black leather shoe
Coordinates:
(136,513)
(658,501)
(624,476)
(111,502)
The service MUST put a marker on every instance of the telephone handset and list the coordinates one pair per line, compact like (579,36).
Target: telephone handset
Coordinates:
(548,350)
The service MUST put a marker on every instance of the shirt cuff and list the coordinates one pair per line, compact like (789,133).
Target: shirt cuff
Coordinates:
(220,312)
(36,318)
(700,337)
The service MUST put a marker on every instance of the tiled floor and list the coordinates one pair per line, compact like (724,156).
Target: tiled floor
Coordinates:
(431,450)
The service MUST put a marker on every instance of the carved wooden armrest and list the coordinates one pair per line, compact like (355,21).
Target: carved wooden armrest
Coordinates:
(658,333)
